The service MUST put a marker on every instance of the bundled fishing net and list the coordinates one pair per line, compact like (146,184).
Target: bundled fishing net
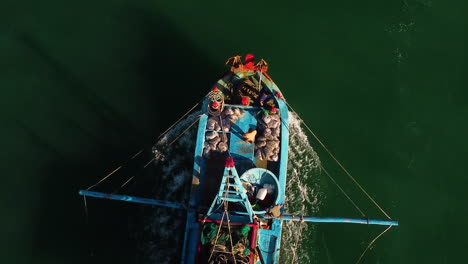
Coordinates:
(216,141)
(268,141)
(217,247)
(228,117)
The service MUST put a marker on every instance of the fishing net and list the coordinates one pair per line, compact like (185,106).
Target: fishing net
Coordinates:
(216,246)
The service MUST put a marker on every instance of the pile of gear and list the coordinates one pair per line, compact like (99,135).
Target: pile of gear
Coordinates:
(214,140)
(268,141)
(226,245)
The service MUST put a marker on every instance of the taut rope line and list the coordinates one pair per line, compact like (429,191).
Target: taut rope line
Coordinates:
(341,166)
(114,171)
(163,133)
(341,189)
(139,152)
(131,178)
(183,132)
(105,177)
(198,118)
(217,235)
(86,209)
(372,242)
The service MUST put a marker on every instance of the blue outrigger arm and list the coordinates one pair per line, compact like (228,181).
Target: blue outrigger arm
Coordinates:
(315,219)
(238,197)
(132,199)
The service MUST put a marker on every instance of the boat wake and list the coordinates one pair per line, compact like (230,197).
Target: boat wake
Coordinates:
(303,196)
(163,234)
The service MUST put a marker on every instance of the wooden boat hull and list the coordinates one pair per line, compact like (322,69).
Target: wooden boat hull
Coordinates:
(208,170)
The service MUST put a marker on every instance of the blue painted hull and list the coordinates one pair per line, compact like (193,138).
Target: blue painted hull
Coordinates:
(208,169)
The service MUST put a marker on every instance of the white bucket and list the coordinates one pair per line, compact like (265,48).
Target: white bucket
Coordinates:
(262,193)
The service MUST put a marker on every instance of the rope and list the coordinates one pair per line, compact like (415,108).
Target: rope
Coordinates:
(139,152)
(103,179)
(341,189)
(217,236)
(224,134)
(341,166)
(86,209)
(149,162)
(125,183)
(114,171)
(222,217)
(260,81)
(167,130)
(183,132)
(372,242)
(230,237)
(226,204)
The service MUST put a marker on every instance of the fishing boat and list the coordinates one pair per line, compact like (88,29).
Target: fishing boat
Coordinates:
(235,211)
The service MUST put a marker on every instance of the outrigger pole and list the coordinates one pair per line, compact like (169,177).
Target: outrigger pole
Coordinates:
(312,219)
(132,199)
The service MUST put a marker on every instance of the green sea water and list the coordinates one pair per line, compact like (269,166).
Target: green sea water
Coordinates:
(86,84)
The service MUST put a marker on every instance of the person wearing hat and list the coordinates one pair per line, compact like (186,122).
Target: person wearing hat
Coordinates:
(263,97)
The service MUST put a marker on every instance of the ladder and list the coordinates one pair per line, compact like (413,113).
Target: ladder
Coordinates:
(231,190)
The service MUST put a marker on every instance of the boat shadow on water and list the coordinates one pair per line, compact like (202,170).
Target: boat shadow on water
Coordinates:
(96,135)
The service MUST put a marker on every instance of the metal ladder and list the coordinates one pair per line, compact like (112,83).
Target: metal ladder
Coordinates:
(231,192)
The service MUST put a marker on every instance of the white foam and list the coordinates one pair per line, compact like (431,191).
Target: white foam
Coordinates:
(303,196)
(175,162)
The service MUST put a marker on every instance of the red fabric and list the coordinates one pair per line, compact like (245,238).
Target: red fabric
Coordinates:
(229,162)
(249,58)
(245,100)
(249,62)
(215,89)
(273,110)
(278,94)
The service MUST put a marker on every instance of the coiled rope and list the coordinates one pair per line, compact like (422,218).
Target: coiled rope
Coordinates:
(218,97)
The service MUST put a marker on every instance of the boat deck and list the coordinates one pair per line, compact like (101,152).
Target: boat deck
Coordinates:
(243,153)
(268,151)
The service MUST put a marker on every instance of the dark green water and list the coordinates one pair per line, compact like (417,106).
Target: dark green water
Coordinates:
(86,84)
